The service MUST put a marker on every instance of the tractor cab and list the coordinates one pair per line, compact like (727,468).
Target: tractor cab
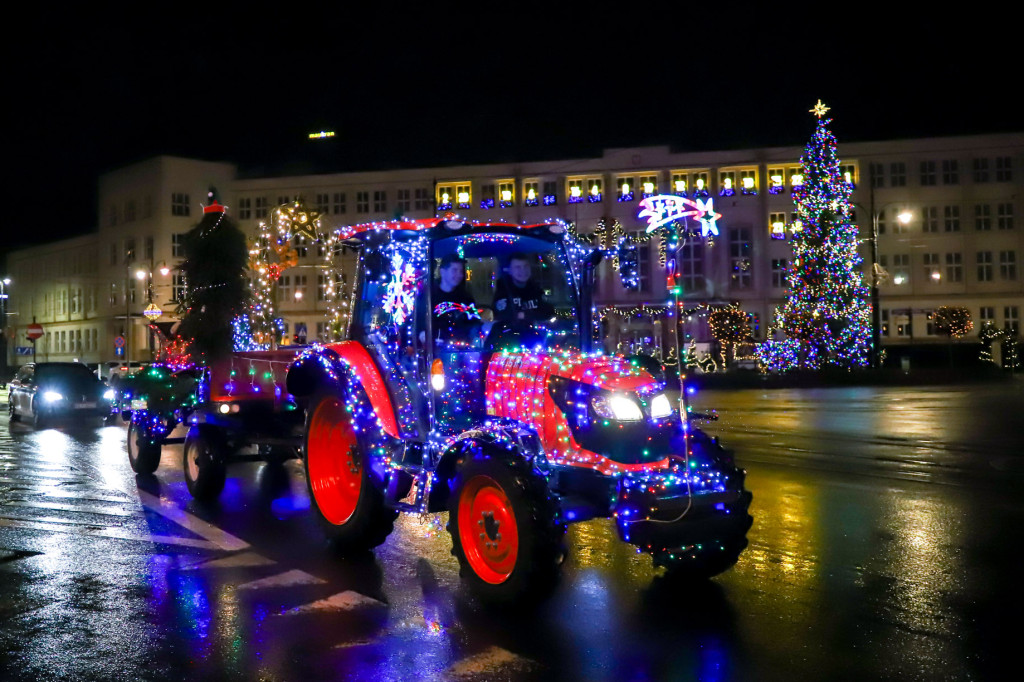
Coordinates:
(433,333)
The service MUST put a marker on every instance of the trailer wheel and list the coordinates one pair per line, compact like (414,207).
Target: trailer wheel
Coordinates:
(203,463)
(143,453)
(505,528)
(347,494)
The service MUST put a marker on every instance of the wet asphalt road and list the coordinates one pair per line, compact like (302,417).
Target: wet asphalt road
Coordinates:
(885,541)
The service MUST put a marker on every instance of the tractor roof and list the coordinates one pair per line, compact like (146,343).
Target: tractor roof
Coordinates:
(439,228)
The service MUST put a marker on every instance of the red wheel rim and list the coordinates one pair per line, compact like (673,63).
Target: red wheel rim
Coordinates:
(333,462)
(487,530)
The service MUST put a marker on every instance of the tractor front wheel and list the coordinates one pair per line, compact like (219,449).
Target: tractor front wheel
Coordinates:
(505,528)
(143,453)
(203,462)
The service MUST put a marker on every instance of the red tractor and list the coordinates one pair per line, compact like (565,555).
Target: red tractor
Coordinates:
(512,422)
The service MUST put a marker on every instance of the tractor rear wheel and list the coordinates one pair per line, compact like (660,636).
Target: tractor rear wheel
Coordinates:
(347,495)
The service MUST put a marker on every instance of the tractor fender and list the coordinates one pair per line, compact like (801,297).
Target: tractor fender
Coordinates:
(325,366)
(496,439)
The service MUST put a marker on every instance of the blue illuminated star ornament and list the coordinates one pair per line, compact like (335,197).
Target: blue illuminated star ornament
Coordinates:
(707,217)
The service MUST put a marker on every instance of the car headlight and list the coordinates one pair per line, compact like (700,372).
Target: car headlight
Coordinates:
(661,406)
(52,396)
(109,394)
(617,407)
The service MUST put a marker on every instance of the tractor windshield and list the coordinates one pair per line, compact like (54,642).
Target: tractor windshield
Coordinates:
(501,290)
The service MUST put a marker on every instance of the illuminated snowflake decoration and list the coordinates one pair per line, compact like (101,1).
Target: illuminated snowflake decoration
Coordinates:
(400,295)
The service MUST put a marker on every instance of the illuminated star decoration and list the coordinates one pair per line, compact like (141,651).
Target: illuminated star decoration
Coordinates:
(666,208)
(295,219)
(707,217)
(450,306)
(819,109)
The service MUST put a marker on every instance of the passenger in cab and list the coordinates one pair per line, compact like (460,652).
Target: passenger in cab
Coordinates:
(518,300)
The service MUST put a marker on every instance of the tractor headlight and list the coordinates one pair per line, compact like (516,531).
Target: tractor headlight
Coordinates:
(109,394)
(661,406)
(617,407)
(52,397)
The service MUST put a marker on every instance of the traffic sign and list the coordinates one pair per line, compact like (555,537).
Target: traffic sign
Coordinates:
(118,342)
(23,350)
(34,331)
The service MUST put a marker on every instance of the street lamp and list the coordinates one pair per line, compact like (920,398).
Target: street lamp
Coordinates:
(903,217)
(3,329)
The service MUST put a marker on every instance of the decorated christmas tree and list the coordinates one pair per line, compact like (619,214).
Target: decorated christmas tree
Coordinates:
(827,312)
(216,287)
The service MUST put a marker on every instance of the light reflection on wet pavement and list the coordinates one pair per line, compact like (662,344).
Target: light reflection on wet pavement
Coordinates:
(885,525)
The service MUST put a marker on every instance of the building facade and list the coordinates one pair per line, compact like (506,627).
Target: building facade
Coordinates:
(962,246)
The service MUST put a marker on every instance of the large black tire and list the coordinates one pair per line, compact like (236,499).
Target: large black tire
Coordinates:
(12,415)
(714,555)
(203,462)
(506,529)
(38,420)
(347,494)
(143,452)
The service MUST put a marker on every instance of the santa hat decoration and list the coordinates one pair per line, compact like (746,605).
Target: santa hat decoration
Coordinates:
(214,205)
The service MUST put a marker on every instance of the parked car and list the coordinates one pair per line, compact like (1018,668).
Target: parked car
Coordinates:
(42,391)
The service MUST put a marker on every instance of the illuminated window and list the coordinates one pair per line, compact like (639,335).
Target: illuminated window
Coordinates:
(748,182)
(649,185)
(594,190)
(550,193)
(445,197)
(679,184)
(796,177)
(575,190)
(506,193)
(531,193)
(700,184)
(464,195)
(727,183)
(627,188)
(777,225)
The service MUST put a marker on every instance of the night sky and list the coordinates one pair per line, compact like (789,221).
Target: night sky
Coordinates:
(92,93)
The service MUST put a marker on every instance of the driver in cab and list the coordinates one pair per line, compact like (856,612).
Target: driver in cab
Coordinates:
(518,300)
(455,317)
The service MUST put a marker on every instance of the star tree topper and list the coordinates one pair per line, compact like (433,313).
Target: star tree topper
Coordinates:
(819,109)
(295,219)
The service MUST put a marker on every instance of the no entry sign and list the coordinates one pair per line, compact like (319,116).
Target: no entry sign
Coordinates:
(34,331)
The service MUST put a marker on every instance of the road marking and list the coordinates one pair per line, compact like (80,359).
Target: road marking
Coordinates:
(487,661)
(353,644)
(222,539)
(113,533)
(286,579)
(57,506)
(343,601)
(245,559)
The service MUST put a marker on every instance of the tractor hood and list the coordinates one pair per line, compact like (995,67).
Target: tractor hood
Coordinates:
(561,394)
